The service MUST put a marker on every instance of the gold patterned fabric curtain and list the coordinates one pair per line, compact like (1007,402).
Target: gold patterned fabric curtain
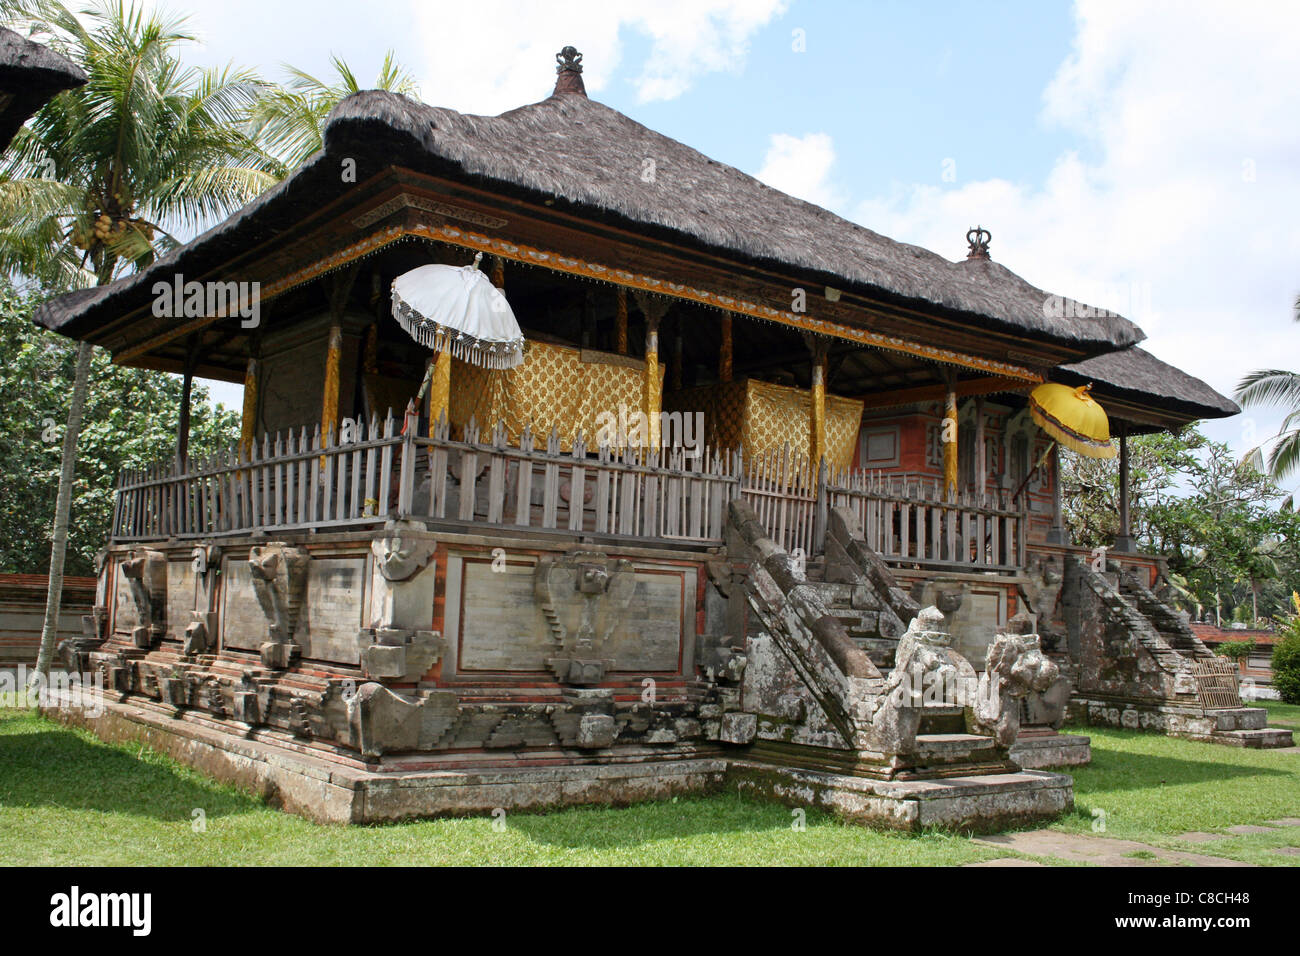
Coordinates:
(761,417)
(556,386)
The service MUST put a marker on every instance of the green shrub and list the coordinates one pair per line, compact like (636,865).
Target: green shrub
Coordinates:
(1286,663)
(1237,650)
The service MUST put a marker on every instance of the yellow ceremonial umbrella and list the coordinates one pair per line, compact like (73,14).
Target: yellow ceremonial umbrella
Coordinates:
(1073,418)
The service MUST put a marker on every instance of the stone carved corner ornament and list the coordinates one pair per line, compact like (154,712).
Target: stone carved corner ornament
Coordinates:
(584,596)
(398,654)
(279,573)
(146,573)
(400,559)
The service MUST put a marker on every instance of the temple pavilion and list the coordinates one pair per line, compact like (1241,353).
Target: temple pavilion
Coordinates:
(503,577)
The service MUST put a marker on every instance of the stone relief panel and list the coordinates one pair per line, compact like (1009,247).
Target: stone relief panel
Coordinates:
(336,590)
(182,591)
(497,622)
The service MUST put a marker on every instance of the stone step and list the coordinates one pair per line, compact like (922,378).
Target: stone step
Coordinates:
(1266,739)
(1240,718)
(951,745)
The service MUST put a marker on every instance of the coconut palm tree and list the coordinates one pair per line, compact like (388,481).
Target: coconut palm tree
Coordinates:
(1270,387)
(94,186)
(290,119)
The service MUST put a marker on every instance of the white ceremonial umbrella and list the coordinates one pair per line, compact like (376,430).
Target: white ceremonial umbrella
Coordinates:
(458,310)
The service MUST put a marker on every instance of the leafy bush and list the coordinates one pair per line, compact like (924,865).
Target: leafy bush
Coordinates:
(1286,665)
(1237,650)
(1286,657)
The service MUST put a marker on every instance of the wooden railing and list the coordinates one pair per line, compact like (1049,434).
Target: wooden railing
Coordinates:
(380,472)
(909,521)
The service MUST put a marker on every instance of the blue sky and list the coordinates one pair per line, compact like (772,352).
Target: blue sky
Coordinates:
(1142,157)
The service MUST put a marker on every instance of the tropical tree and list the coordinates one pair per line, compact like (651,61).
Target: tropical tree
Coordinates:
(1274,387)
(289,120)
(95,185)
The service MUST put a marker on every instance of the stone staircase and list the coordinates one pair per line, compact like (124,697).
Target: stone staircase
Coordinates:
(1129,607)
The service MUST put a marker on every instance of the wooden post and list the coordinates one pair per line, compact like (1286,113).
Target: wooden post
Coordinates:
(981,454)
(677,354)
(725,355)
(817,405)
(1056,534)
(248,426)
(620,322)
(948,439)
(340,289)
(183,422)
(653,309)
(440,389)
(329,411)
(1123,540)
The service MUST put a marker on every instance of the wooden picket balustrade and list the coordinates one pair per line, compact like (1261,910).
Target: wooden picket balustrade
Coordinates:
(910,521)
(379,472)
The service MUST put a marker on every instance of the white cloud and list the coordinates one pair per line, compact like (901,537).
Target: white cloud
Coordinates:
(1179,105)
(491,56)
(800,166)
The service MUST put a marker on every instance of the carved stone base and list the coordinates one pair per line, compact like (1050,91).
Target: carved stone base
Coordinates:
(983,804)
(279,656)
(569,670)
(1036,751)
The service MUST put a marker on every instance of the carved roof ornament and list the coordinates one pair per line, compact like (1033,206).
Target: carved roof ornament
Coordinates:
(978,239)
(568,69)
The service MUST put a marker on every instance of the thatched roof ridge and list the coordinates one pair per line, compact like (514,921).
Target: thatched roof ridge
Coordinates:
(589,158)
(1140,376)
(31,74)
(576,149)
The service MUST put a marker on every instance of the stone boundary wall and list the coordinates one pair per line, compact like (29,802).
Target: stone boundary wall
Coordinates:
(22,613)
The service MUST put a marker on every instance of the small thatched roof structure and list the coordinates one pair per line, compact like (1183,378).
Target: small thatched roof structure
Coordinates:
(589,160)
(1136,386)
(30,75)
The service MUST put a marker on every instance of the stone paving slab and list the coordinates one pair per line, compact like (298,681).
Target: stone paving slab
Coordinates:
(1199,836)
(1285,822)
(1102,851)
(1248,829)
(1287,850)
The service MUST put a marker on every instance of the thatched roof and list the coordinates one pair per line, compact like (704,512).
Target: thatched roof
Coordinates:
(30,75)
(1138,376)
(589,159)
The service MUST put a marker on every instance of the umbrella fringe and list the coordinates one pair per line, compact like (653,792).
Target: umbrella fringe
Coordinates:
(436,337)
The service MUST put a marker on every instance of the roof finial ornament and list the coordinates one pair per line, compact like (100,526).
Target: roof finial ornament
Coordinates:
(978,239)
(568,69)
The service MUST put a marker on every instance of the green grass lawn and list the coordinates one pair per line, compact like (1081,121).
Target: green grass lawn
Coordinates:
(1280,714)
(67,798)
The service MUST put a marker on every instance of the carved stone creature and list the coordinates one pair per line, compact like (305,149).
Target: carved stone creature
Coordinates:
(146,573)
(398,558)
(927,670)
(584,596)
(1017,667)
(279,573)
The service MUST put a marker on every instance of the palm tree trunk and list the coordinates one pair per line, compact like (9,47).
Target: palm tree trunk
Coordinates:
(62,512)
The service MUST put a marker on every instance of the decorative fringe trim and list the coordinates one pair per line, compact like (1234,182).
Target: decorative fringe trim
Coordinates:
(1075,441)
(437,337)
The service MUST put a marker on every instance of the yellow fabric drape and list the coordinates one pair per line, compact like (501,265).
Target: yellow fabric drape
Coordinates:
(761,417)
(567,388)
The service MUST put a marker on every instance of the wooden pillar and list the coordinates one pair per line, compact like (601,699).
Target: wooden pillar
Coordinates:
(248,425)
(677,354)
(725,358)
(817,405)
(329,410)
(981,454)
(440,388)
(1123,540)
(620,322)
(339,290)
(1056,534)
(183,425)
(652,404)
(948,439)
